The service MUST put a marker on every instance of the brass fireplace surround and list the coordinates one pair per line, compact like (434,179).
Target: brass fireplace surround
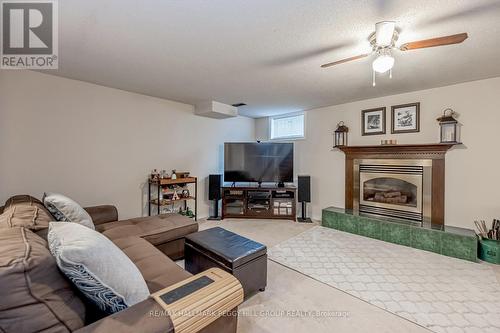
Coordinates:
(430,156)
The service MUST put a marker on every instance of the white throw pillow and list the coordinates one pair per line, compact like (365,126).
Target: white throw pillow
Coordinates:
(98,268)
(66,210)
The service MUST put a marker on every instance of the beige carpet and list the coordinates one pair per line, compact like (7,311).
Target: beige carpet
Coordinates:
(288,292)
(441,293)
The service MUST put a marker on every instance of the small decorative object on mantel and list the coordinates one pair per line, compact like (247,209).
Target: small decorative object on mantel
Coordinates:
(174,175)
(340,135)
(389,142)
(449,127)
(405,118)
(373,121)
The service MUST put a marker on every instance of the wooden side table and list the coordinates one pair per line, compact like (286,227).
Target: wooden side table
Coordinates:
(196,302)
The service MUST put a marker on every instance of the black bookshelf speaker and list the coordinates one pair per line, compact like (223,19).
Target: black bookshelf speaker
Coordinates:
(214,184)
(304,189)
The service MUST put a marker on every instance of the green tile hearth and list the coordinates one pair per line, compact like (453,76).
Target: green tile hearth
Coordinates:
(462,247)
(369,228)
(424,239)
(449,241)
(396,233)
(329,220)
(348,224)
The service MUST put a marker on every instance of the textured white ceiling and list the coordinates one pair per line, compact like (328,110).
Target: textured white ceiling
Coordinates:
(267,53)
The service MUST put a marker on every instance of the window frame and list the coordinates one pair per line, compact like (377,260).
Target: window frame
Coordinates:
(291,137)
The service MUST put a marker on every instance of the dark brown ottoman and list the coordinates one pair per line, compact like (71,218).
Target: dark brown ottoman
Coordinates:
(240,256)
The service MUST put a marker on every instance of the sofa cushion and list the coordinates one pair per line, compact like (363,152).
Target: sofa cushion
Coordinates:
(34,295)
(30,217)
(23,199)
(25,211)
(158,270)
(66,210)
(157,229)
(102,214)
(98,268)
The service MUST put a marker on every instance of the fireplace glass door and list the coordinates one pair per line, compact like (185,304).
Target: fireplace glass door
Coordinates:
(391,191)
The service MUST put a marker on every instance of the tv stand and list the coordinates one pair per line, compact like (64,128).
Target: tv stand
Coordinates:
(262,202)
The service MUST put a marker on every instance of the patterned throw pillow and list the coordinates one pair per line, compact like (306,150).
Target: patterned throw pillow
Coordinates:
(97,267)
(66,210)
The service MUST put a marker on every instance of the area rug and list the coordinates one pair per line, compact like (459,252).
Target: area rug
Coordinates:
(441,293)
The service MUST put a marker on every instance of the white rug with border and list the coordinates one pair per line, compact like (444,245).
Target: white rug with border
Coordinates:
(441,293)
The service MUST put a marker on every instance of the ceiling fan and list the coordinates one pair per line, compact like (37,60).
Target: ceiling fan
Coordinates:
(383,42)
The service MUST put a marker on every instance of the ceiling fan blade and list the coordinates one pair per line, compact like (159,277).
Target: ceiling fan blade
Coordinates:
(338,62)
(446,40)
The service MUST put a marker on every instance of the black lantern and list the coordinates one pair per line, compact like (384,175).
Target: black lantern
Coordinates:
(449,127)
(341,135)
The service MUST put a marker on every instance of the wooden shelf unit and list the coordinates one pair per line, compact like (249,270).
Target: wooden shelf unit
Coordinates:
(259,202)
(166,202)
(169,181)
(160,184)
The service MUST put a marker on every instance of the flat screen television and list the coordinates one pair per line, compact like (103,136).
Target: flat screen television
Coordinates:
(258,162)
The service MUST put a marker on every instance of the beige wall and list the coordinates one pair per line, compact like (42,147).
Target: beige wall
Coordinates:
(472,171)
(98,144)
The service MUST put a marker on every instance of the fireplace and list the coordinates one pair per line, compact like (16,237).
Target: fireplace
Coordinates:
(403,181)
(393,187)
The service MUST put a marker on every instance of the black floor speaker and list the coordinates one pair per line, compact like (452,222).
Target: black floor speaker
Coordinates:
(214,194)
(304,196)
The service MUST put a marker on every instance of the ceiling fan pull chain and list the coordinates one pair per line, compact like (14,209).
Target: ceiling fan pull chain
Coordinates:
(390,73)
(374,83)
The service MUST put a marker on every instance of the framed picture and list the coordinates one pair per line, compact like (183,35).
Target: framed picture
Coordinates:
(373,121)
(405,118)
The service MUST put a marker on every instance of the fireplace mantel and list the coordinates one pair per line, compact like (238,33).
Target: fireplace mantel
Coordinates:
(430,151)
(433,152)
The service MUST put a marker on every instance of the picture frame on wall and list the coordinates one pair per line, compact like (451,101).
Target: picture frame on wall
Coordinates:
(405,118)
(373,121)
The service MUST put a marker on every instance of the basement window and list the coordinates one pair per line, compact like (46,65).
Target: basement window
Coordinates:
(287,127)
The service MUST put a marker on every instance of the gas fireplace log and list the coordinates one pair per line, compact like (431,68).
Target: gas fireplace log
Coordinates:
(396,200)
(392,199)
(392,194)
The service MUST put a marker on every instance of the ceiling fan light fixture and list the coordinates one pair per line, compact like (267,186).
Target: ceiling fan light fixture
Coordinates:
(384,32)
(383,63)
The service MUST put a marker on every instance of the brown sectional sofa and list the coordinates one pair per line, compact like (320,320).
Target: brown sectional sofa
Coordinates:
(166,231)
(36,296)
